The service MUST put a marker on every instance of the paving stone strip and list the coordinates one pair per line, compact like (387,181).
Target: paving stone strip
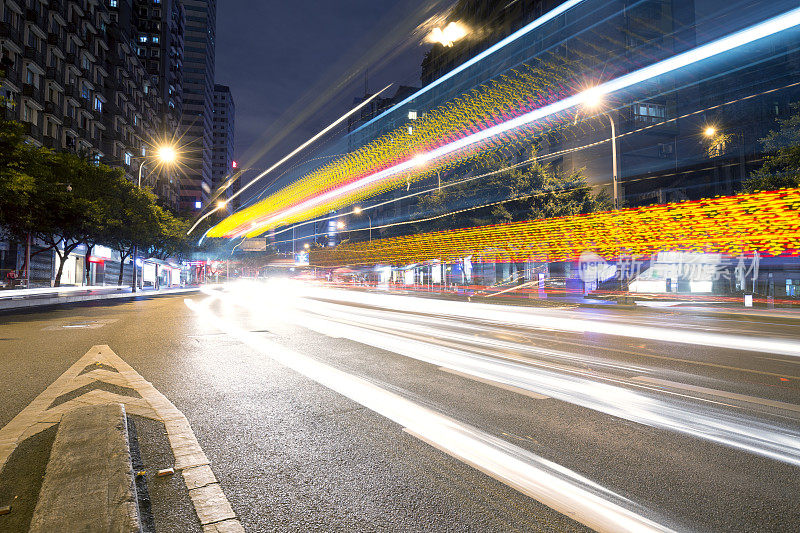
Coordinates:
(88,484)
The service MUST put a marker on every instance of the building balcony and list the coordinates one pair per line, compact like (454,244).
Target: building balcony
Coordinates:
(57,5)
(71,90)
(32,130)
(51,108)
(54,40)
(31,91)
(7,113)
(11,75)
(32,15)
(10,32)
(68,122)
(55,74)
(51,142)
(35,55)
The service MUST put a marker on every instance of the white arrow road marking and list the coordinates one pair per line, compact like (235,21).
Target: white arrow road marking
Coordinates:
(557,487)
(211,505)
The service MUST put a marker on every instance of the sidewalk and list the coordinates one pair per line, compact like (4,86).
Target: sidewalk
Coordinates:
(28,298)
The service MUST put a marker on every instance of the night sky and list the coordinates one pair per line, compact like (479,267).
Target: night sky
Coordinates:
(283,57)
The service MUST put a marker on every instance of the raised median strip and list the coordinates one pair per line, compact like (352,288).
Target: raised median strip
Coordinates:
(101,377)
(88,485)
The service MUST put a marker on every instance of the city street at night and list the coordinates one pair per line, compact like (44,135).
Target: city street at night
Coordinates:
(671,435)
(399,265)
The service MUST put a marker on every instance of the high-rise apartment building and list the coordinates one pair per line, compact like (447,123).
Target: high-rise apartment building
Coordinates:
(198,104)
(222,156)
(160,26)
(79,77)
(71,74)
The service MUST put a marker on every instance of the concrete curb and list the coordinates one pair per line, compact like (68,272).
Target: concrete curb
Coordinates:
(27,303)
(88,485)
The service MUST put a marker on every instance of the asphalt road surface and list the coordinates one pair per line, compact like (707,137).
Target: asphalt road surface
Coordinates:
(325,409)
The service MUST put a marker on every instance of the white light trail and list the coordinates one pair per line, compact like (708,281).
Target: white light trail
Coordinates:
(552,484)
(291,154)
(528,318)
(495,360)
(764,29)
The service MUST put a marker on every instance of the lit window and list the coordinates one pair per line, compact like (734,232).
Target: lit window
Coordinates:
(198,204)
(412,115)
(144,151)
(143,38)
(128,157)
(155,39)
(112,3)
(98,104)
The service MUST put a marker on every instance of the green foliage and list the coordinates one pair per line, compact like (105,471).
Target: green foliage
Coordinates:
(19,164)
(66,200)
(528,191)
(781,168)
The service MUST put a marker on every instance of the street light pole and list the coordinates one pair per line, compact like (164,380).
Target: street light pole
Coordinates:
(357,210)
(135,273)
(594,100)
(614,171)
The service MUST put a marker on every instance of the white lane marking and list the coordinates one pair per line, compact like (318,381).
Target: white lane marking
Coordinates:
(554,485)
(722,394)
(210,504)
(497,384)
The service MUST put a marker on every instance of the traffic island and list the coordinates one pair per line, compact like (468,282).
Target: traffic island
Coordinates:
(88,484)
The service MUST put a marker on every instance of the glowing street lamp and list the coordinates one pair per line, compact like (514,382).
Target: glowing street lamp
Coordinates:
(448,35)
(593,100)
(221,204)
(710,131)
(166,154)
(357,210)
(340,225)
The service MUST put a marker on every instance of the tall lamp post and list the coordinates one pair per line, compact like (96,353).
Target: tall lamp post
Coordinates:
(165,155)
(358,211)
(594,101)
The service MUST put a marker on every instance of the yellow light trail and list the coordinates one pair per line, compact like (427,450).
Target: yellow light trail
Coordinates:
(766,222)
